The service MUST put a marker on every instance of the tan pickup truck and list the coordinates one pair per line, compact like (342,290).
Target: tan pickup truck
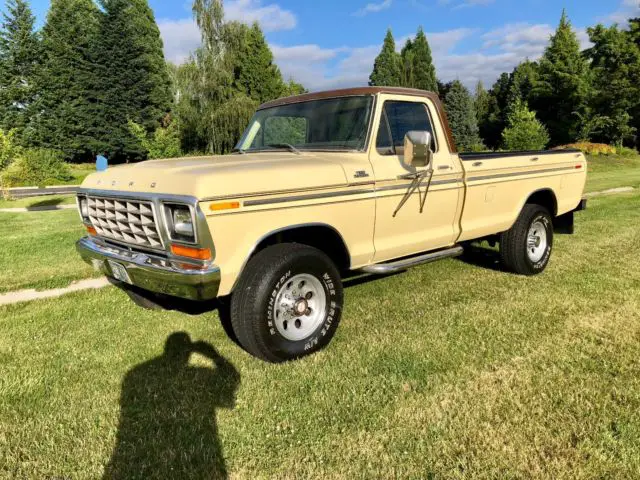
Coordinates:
(321,186)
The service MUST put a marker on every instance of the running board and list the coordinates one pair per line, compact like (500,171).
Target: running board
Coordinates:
(400,265)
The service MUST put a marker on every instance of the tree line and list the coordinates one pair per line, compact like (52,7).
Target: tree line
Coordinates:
(94,80)
(569,95)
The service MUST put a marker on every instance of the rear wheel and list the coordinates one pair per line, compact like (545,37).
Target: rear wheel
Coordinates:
(288,303)
(526,247)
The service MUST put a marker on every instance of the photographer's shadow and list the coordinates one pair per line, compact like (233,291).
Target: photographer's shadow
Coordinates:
(168,415)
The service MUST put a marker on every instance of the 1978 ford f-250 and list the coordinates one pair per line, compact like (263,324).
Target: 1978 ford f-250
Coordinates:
(321,185)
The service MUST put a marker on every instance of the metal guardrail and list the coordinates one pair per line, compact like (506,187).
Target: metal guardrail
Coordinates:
(26,192)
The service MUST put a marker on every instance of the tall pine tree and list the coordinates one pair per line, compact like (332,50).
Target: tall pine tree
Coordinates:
(64,113)
(562,89)
(462,117)
(255,73)
(615,64)
(132,75)
(19,55)
(386,68)
(424,73)
(481,103)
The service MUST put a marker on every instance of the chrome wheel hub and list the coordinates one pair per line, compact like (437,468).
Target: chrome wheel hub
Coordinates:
(536,241)
(300,307)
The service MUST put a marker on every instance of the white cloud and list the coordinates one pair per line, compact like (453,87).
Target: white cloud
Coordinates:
(626,10)
(373,8)
(271,17)
(181,37)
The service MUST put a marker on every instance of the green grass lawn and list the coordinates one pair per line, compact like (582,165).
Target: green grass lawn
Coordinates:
(611,171)
(42,201)
(37,250)
(451,370)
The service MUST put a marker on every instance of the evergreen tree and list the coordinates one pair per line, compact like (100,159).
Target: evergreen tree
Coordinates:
(424,73)
(481,103)
(615,65)
(256,75)
(386,68)
(65,115)
(407,78)
(524,131)
(131,75)
(560,95)
(19,54)
(462,117)
(494,122)
(522,82)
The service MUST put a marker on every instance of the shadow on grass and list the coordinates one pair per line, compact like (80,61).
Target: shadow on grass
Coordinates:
(168,408)
(484,257)
(49,202)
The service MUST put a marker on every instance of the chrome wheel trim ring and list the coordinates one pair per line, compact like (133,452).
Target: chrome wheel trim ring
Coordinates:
(300,307)
(537,241)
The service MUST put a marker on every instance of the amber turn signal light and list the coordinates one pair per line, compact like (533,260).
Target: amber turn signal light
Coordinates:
(216,207)
(191,252)
(91,230)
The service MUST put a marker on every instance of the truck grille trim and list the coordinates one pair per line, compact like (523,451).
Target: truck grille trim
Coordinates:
(128,221)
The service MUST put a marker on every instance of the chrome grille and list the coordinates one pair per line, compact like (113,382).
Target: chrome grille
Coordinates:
(128,221)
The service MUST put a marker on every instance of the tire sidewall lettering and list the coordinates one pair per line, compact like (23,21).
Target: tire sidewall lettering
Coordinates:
(542,263)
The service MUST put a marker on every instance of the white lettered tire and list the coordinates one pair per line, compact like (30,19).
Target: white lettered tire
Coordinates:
(526,247)
(288,303)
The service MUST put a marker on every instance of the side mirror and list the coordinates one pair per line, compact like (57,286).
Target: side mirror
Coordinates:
(417,149)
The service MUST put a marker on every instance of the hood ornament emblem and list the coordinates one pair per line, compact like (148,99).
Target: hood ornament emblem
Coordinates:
(131,184)
(153,185)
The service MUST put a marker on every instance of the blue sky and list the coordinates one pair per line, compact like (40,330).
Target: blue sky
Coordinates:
(332,43)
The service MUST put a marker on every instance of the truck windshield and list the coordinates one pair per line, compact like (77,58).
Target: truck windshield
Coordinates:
(330,124)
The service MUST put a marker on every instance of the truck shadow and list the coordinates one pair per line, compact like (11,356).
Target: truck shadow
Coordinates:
(482,256)
(167,426)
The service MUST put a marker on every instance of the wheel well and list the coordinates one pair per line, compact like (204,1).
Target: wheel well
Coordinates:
(546,198)
(322,237)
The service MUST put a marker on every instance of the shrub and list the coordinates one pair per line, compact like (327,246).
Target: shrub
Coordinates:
(589,148)
(36,167)
(9,151)
(626,152)
(524,131)
(165,142)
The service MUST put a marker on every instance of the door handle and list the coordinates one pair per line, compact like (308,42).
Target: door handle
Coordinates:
(444,167)
(477,164)
(535,159)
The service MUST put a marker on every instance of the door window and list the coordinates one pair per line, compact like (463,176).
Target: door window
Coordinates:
(397,119)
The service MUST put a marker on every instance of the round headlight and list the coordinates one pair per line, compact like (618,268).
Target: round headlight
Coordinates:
(182,222)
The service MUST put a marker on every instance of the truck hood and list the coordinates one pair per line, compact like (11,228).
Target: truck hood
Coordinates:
(220,176)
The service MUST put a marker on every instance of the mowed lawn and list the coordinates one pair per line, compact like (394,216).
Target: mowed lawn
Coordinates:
(451,370)
(37,250)
(612,171)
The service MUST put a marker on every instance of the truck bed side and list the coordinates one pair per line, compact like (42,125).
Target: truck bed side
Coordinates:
(497,185)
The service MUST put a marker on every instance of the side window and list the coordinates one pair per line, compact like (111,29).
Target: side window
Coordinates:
(399,118)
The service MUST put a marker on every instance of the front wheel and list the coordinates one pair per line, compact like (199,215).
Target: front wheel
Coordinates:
(288,303)
(526,247)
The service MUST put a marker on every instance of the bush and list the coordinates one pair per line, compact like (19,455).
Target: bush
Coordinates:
(165,142)
(36,167)
(9,151)
(626,152)
(524,131)
(589,148)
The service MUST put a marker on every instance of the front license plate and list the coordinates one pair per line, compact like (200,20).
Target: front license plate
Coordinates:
(119,272)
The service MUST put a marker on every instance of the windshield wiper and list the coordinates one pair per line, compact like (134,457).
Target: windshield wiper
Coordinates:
(288,146)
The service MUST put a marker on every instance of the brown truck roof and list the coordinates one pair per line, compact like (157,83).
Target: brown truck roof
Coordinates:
(350,92)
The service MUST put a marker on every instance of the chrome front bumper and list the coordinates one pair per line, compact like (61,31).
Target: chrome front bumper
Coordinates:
(152,273)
